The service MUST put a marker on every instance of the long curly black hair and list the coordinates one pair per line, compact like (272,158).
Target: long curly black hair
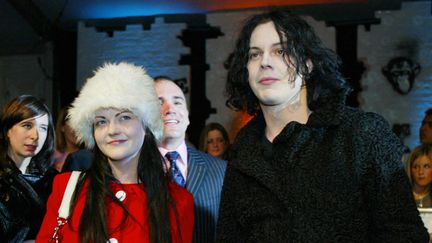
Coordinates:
(323,80)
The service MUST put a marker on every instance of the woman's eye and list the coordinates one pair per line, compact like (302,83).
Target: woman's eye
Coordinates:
(27,125)
(43,129)
(99,123)
(125,117)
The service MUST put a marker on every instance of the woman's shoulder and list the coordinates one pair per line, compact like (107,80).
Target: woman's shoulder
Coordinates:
(61,180)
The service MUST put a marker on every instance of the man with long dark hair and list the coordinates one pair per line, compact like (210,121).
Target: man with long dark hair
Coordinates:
(307,168)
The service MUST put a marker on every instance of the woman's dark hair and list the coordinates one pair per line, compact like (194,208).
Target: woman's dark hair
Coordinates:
(93,227)
(323,79)
(16,110)
(211,127)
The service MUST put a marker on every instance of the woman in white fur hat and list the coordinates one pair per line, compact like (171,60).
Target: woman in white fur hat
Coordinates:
(125,196)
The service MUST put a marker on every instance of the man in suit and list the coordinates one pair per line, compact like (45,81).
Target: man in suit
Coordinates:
(202,174)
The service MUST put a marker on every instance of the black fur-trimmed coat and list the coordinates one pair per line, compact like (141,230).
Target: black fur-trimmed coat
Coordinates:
(338,178)
(22,202)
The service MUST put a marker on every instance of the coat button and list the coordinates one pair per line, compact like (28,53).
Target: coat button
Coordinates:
(112,240)
(121,195)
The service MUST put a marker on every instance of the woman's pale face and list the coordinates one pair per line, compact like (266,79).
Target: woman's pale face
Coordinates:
(270,77)
(421,171)
(27,137)
(215,143)
(119,134)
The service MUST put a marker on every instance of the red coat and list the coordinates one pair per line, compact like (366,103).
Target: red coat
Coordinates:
(135,200)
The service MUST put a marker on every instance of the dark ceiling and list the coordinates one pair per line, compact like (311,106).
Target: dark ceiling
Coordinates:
(25,25)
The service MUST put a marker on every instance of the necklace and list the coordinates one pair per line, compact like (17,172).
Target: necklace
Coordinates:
(419,197)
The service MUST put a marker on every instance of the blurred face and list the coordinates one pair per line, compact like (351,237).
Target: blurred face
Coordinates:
(426,130)
(421,171)
(215,143)
(119,134)
(174,112)
(69,134)
(269,74)
(27,137)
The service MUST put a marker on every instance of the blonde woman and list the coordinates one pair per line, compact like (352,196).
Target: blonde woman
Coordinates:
(420,173)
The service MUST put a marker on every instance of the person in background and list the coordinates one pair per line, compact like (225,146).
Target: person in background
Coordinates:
(214,140)
(66,142)
(80,160)
(426,128)
(125,196)
(308,168)
(26,150)
(420,174)
(200,173)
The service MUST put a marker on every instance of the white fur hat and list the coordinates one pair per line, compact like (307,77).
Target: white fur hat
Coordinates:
(120,86)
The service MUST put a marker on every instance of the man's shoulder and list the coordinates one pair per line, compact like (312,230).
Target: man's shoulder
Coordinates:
(195,154)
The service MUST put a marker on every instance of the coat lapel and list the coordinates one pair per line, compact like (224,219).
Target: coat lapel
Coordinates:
(196,171)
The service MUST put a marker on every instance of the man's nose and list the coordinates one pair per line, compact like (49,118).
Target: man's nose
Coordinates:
(265,60)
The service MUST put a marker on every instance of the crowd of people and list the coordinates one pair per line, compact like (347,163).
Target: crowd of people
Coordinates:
(117,166)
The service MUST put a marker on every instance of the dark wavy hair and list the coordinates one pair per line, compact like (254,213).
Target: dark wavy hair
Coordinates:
(324,81)
(18,109)
(93,227)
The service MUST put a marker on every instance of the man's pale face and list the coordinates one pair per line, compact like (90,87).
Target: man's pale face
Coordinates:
(174,112)
(273,81)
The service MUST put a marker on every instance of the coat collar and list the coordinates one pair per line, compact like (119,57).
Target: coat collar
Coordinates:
(248,155)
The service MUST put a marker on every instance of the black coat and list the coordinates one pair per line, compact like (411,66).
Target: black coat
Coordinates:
(22,203)
(338,178)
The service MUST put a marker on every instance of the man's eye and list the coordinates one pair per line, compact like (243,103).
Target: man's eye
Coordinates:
(279,52)
(254,55)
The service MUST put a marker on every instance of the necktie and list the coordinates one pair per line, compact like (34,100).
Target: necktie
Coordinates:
(175,172)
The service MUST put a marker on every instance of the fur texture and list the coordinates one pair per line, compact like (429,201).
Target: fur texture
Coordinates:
(120,86)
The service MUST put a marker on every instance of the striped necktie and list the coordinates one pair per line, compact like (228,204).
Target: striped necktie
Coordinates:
(175,172)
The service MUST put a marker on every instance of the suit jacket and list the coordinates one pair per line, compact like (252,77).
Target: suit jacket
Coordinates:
(204,181)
